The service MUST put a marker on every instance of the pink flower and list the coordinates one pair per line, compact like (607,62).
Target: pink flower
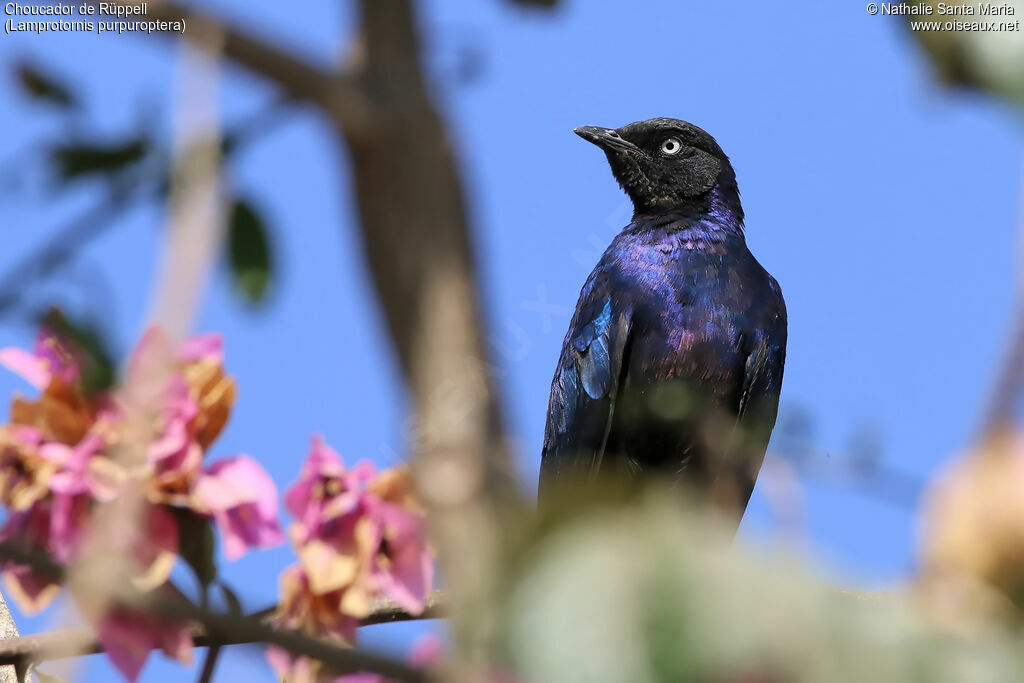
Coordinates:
(49,359)
(78,469)
(397,561)
(76,483)
(128,637)
(174,454)
(318,614)
(359,532)
(202,347)
(242,498)
(24,474)
(30,529)
(58,359)
(26,365)
(325,492)
(182,395)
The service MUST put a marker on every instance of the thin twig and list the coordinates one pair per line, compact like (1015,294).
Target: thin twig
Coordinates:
(65,243)
(1010,380)
(210,663)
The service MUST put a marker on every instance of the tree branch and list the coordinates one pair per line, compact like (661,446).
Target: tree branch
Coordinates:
(40,647)
(122,195)
(210,628)
(300,78)
(210,663)
(419,248)
(64,244)
(15,672)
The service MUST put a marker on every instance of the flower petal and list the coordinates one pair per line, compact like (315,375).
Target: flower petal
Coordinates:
(26,365)
(242,498)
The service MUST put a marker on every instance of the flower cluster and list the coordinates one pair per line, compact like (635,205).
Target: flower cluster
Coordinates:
(359,536)
(69,453)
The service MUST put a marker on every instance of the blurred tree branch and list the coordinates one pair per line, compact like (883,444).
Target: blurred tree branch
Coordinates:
(15,671)
(123,194)
(41,647)
(211,628)
(418,245)
(64,244)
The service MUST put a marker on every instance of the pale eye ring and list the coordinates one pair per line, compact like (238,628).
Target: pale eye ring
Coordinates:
(671,146)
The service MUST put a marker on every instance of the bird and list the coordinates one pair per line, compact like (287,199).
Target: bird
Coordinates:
(672,366)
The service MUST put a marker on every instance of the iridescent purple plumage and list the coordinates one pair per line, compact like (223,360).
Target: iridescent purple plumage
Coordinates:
(673,361)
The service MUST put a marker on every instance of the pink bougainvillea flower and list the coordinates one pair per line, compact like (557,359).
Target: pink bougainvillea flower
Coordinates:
(32,593)
(201,347)
(56,357)
(155,547)
(325,492)
(359,534)
(144,539)
(67,450)
(211,388)
(26,365)
(24,473)
(128,637)
(317,614)
(395,560)
(29,529)
(69,514)
(48,359)
(174,455)
(62,412)
(83,468)
(182,397)
(394,485)
(242,498)
(77,482)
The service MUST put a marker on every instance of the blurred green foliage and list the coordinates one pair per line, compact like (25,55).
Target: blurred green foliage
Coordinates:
(250,257)
(987,61)
(77,160)
(643,593)
(43,87)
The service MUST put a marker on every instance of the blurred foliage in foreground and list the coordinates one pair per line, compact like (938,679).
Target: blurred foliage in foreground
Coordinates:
(643,593)
(991,61)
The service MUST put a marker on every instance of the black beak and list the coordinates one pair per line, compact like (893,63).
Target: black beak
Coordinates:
(605,138)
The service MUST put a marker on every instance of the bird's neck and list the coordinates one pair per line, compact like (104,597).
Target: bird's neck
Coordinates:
(715,215)
(716,211)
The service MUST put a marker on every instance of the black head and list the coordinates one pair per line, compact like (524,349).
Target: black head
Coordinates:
(664,164)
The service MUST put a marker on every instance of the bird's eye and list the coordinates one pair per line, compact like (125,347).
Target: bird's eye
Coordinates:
(671,146)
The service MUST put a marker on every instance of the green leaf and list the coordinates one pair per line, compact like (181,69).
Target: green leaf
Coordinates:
(77,160)
(249,253)
(86,343)
(43,87)
(197,545)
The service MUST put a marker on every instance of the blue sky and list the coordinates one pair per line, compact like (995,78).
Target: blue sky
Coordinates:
(885,206)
